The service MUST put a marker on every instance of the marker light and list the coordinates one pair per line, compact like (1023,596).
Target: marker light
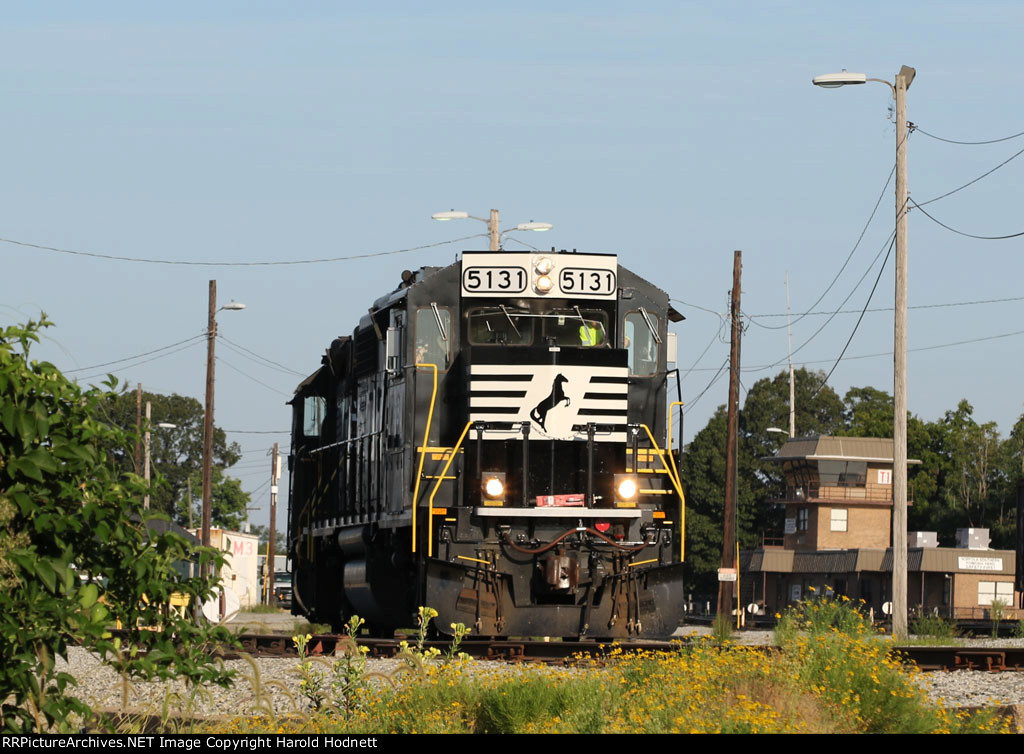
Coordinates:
(543,266)
(543,284)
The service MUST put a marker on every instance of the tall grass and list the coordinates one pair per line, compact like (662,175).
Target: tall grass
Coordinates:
(829,682)
(934,628)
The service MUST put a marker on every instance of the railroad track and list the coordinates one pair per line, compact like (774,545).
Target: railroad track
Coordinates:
(991,659)
(515,650)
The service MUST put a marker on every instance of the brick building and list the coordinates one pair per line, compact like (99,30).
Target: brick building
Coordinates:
(837,537)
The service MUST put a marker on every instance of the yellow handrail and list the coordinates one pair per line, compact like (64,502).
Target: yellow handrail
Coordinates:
(682,503)
(423,451)
(437,484)
(679,491)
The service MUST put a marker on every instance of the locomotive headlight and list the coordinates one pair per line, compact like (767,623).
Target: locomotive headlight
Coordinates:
(543,266)
(492,486)
(544,284)
(626,488)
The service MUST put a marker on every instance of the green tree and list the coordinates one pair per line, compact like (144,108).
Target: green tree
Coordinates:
(867,412)
(759,479)
(75,554)
(177,455)
(263,532)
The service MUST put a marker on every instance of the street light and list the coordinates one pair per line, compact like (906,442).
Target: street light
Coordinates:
(145,472)
(211,335)
(899,431)
(492,224)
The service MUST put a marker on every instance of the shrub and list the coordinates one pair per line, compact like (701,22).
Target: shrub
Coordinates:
(934,626)
(822,615)
(75,554)
(721,628)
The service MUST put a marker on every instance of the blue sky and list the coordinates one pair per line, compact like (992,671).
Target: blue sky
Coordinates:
(671,133)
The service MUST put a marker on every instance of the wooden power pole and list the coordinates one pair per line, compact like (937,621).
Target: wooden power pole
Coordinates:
(211,338)
(271,561)
(725,587)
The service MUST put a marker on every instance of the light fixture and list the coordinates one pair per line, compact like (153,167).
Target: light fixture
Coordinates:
(627,489)
(450,215)
(543,265)
(492,224)
(543,284)
(492,487)
(836,80)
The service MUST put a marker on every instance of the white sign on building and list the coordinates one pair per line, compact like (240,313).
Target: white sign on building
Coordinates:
(979,564)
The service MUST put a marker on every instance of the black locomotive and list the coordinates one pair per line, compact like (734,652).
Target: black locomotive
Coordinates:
(491,442)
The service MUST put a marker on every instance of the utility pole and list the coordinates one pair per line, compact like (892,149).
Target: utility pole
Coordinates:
(725,588)
(211,336)
(495,233)
(145,468)
(1020,539)
(138,424)
(899,430)
(275,475)
(792,381)
(899,436)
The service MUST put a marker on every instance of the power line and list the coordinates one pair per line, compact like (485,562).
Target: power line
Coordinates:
(185,347)
(969,341)
(968,235)
(261,360)
(510,238)
(969,143)
(983,175)
(707,387)
(696,306)
(711,343)
(114,257)
(264,358)
(250,377)
(859,320)
(849,256)
(849,295)
(889,308)
(136,356)
(258,432)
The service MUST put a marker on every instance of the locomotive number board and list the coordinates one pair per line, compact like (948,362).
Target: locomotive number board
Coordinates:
(539,275)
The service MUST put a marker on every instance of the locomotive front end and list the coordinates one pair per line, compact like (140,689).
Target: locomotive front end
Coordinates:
(557,510)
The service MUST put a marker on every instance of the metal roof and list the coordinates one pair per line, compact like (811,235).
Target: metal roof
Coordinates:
(828,448)
(956,560)
(927,559)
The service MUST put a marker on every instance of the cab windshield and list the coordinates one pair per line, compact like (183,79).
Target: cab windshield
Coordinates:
(503,325)
(577,327)
(508,326)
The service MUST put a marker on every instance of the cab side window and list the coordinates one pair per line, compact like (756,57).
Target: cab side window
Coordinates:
(433,337)
(640,344)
